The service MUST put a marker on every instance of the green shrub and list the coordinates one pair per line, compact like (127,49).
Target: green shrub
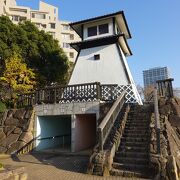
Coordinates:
(2,107)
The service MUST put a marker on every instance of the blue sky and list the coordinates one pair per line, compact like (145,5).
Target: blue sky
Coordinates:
(154,25)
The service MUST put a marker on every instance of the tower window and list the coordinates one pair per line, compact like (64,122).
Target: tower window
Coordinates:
(96,56)
(103,29)
(92,31)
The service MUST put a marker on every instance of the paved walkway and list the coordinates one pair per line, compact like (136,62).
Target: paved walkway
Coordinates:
(55,167)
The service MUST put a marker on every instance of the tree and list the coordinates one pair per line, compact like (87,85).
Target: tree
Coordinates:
(43,54)
(17,76)
(38,49)
(148,92)
(140,90)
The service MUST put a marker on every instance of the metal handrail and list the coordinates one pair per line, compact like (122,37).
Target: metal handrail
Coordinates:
(30,145)
(53,137)
(108,122)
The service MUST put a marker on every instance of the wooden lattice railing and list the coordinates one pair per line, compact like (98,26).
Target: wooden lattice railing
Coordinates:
(76,93)
(61,94)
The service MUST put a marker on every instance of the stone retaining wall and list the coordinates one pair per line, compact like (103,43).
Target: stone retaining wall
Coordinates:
(13,173)
(170,122)
(16,129)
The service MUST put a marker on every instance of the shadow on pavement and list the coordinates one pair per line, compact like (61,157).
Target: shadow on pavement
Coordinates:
(71,163)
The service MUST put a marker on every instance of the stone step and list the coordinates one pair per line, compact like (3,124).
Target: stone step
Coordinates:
(137,121)
(135,135)
(138,114)
(136,131)
(135,125)
(130,174)
(132,154)
(133,148)
(131,160)
(136,128)
(132,144)
(138,118)
(134,139)
(130,167)
(145,120)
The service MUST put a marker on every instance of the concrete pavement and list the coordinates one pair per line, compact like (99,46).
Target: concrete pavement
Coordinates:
(46,166)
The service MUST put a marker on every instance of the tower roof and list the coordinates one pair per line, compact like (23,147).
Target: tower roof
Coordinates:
(120,38)
(120,19)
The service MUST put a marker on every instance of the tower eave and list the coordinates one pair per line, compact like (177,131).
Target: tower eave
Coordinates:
(119,38)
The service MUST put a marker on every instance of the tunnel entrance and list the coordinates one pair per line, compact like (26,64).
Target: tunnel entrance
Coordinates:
(53,132)
(84,134)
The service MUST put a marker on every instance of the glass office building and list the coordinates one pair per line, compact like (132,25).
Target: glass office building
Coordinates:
(152,75)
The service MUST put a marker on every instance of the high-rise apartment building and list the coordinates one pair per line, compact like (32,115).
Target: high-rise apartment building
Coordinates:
(68,35)
(152,75)
(45,18)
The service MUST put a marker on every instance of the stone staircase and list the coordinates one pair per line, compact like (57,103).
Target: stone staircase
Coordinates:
(132,156)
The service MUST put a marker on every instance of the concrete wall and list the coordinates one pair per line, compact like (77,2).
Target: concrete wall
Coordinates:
(10,2)
(83,132)
(68,109)
(108,70)
(50,126)
(52,10)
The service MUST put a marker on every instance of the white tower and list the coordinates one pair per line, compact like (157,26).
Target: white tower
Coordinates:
(102,53)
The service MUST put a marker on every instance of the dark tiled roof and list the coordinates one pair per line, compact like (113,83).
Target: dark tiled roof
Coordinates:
(99,42)
(101,17)
(96,18)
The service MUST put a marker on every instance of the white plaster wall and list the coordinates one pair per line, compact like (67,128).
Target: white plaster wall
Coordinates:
(108,70)
(131,78)
(86,26)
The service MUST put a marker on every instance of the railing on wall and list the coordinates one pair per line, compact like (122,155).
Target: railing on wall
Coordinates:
(108,122)
(76,93)
(31,144)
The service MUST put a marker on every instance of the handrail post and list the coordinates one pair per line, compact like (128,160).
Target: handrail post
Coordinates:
(55,94)
(100,139)
(98,86)
(157,121)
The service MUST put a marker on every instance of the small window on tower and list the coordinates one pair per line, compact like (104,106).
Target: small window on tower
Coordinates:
(92,31)
(103,29)
(97,57)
